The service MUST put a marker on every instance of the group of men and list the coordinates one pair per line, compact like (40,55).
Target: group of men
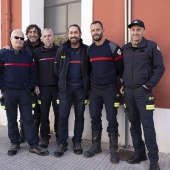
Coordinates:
(73,72)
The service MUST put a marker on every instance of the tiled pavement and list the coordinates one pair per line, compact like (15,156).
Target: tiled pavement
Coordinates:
(24,160)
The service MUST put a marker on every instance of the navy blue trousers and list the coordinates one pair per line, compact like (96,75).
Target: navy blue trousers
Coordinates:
(22,99)
(98,97)
(136,101)
(72,96)
(48,95)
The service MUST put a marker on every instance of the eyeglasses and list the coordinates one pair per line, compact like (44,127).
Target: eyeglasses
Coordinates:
(17,38)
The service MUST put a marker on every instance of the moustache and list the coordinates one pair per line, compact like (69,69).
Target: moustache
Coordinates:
(96,35)
(74,37)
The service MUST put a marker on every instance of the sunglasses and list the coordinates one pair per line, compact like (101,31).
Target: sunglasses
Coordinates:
(17,38)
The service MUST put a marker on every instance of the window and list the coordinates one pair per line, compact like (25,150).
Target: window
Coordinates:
(59,14)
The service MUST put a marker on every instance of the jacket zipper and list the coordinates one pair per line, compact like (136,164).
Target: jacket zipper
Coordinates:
(133,67)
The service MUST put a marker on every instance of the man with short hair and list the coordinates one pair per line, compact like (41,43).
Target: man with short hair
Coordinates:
(47,84)
(17,79)
(143,68)
(71,67)
(106,64)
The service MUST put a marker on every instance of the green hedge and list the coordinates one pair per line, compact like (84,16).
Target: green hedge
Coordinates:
(60,39)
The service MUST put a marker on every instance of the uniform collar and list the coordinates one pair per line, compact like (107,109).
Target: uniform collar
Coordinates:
(48,49)
(12,49)
(28,42)
(67,44)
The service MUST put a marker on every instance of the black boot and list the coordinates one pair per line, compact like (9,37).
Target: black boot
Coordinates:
(22,133)
(154,166)
(96,145)
(113,139)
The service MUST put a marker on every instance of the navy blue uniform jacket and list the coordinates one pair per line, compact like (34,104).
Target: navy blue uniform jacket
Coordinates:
(11,66)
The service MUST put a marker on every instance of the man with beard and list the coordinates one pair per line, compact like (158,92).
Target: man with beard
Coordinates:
(47,85)
(33,33)
(71,67)
(106,64)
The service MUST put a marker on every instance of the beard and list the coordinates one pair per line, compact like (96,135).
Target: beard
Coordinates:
(33,39)
(97,37)
(48,45)
(74,40)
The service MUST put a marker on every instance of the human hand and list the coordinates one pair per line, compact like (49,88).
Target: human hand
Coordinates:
(37,90)
(122,90)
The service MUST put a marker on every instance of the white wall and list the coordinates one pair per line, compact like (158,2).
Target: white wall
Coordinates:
(0,26)
(32,13)
(162,126)
(86,20)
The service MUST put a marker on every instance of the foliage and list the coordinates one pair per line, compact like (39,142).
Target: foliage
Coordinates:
(60,39)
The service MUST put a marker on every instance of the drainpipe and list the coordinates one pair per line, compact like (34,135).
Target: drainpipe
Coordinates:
(129,17)
(8,21)
(125,15)
(127,11)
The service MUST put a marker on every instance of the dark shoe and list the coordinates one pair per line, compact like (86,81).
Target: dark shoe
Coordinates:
(154,166)
(44,143)
(78,149)
(136,158)
(13,149)
(39,151)
(60,150)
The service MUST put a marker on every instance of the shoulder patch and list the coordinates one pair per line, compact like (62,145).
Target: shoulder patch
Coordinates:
(158,48)
(63,56)
(119,52)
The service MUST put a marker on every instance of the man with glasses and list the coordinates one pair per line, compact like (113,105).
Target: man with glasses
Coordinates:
(17,79)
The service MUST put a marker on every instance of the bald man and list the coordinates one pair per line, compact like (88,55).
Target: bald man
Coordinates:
(17,79)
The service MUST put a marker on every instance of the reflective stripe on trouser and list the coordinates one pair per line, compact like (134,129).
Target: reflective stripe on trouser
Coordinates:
(139,106)
(20,98)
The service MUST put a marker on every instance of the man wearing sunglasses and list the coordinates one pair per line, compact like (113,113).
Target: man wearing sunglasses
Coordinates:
(17,79)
